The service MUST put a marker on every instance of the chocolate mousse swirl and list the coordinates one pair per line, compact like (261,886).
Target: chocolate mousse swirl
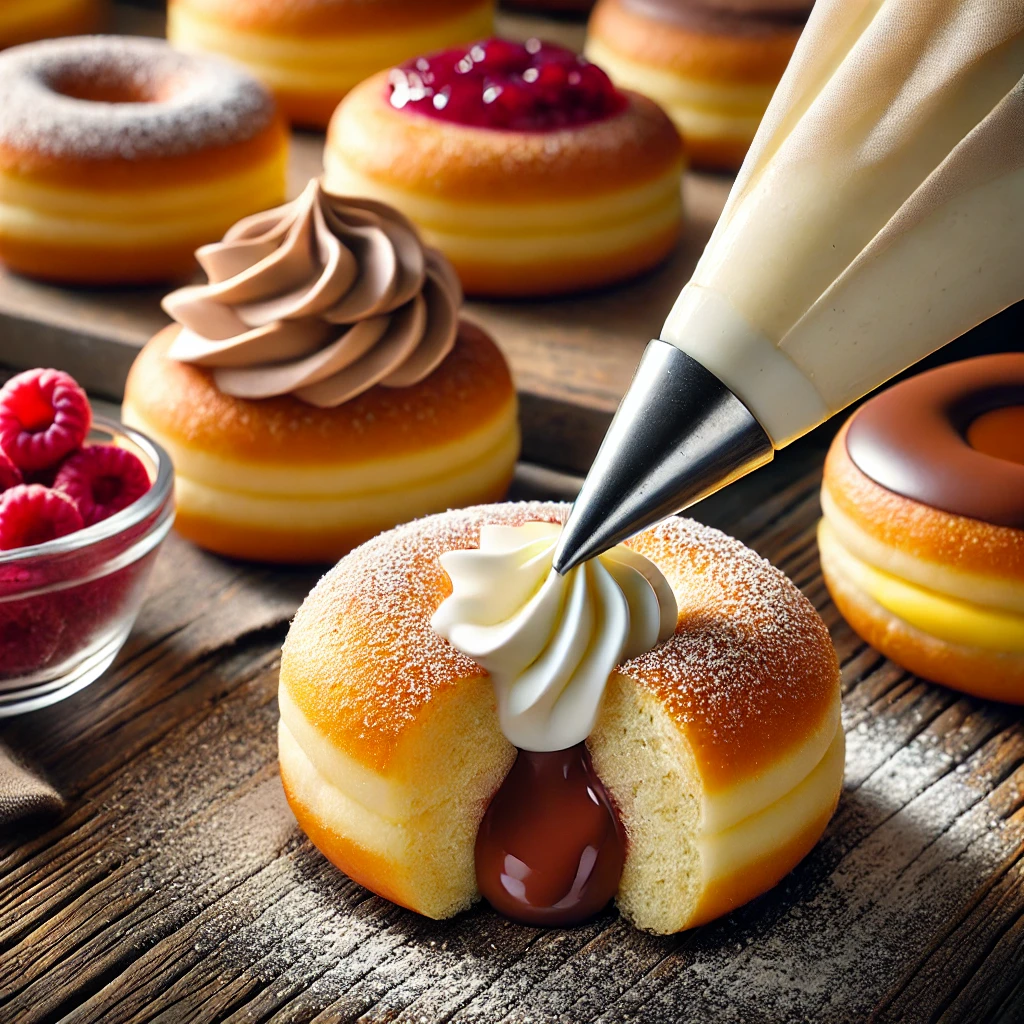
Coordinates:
(322,299)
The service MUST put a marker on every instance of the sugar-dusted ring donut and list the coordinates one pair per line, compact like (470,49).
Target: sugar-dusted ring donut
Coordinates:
(119,156)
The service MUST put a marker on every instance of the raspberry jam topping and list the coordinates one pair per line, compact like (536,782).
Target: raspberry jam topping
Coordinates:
(531,86)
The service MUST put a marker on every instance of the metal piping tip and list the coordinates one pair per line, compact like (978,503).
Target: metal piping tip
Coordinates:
(679,435)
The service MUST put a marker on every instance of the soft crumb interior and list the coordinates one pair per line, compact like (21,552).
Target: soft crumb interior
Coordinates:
(648,768)
(461,751)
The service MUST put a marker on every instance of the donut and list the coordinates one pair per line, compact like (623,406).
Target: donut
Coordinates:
(719,751)
(24,21)
(922,534)
(119,156)
(526,168)
(712,64)
(321,387)
(312,52)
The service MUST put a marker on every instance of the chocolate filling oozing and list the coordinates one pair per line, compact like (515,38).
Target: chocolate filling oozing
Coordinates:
(551,846)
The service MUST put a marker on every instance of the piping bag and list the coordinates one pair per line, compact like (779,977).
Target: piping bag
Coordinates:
(878,215)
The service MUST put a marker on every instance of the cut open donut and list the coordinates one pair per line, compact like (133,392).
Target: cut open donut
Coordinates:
(722,748)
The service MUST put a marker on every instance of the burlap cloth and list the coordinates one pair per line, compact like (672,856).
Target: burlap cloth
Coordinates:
(22,792)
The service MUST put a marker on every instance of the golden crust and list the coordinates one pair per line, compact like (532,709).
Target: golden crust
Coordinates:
(286,545)
(64,263)
(183,404)
(118,175)
(88,16)
(407,150)
(748,677)
(726,894)
(712,54)
(320,17)
(964,544)
(989,674)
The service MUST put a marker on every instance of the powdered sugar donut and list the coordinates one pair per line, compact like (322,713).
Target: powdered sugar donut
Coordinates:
(119,156)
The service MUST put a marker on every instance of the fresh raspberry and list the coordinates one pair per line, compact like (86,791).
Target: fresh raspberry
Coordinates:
(101,480)
(30,634)
(44,415)
(10,475)
(32,514)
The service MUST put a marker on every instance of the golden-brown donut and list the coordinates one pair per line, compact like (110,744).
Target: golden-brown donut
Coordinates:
(927,562)
(24,21)
(119,156)
(712,64)
(311,53)
(277,480)
(722,748)
(518,212)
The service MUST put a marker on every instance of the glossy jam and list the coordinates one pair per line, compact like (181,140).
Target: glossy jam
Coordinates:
(551,846)
(530,86)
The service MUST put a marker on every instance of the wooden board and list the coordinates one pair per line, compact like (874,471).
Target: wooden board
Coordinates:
(572,358)
(179,889)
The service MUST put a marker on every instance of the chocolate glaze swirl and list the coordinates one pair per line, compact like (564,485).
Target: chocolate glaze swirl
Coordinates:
(322,298)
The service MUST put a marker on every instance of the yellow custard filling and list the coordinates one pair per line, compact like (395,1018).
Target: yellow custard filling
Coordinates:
(947,618)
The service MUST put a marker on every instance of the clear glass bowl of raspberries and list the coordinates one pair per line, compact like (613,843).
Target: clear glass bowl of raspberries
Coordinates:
(84,506)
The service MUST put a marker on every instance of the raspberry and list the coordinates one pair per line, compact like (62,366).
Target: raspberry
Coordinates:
(44,415)
(10,475)
(101,480)
(30,633)
(32,514)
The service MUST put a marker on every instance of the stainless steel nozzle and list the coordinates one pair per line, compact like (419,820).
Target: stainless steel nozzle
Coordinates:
(679,434)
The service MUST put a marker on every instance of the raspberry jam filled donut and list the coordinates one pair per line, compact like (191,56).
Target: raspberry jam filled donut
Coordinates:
(675,704)
(119,156)
(321,387)
(312,52)
(922,540)
(712,64)
(24,21)
(521,162)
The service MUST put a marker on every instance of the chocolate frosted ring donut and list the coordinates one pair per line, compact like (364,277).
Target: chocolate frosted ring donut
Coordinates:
(913,439)
(120,156)
(922,541)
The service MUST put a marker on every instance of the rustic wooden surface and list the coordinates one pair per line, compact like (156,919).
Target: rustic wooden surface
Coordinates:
(178,887)
(572,358)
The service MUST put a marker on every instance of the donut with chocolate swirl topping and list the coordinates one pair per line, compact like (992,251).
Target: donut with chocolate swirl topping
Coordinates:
(321,386)
(922,538)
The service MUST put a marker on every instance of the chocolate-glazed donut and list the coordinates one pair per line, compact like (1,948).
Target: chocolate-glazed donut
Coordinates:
(913,439)
(922,540)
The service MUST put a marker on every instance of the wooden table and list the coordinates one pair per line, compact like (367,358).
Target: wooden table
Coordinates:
(179,888)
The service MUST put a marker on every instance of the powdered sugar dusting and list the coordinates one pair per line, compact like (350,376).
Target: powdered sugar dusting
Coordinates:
(749,671)
(364,632)
(192,102)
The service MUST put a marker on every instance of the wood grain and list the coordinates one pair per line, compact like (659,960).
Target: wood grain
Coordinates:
(178,888)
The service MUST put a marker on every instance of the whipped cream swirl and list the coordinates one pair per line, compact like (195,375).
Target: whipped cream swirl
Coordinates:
(550,642)
(322,298)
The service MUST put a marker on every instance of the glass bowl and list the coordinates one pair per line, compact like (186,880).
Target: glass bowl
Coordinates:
(67,606)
